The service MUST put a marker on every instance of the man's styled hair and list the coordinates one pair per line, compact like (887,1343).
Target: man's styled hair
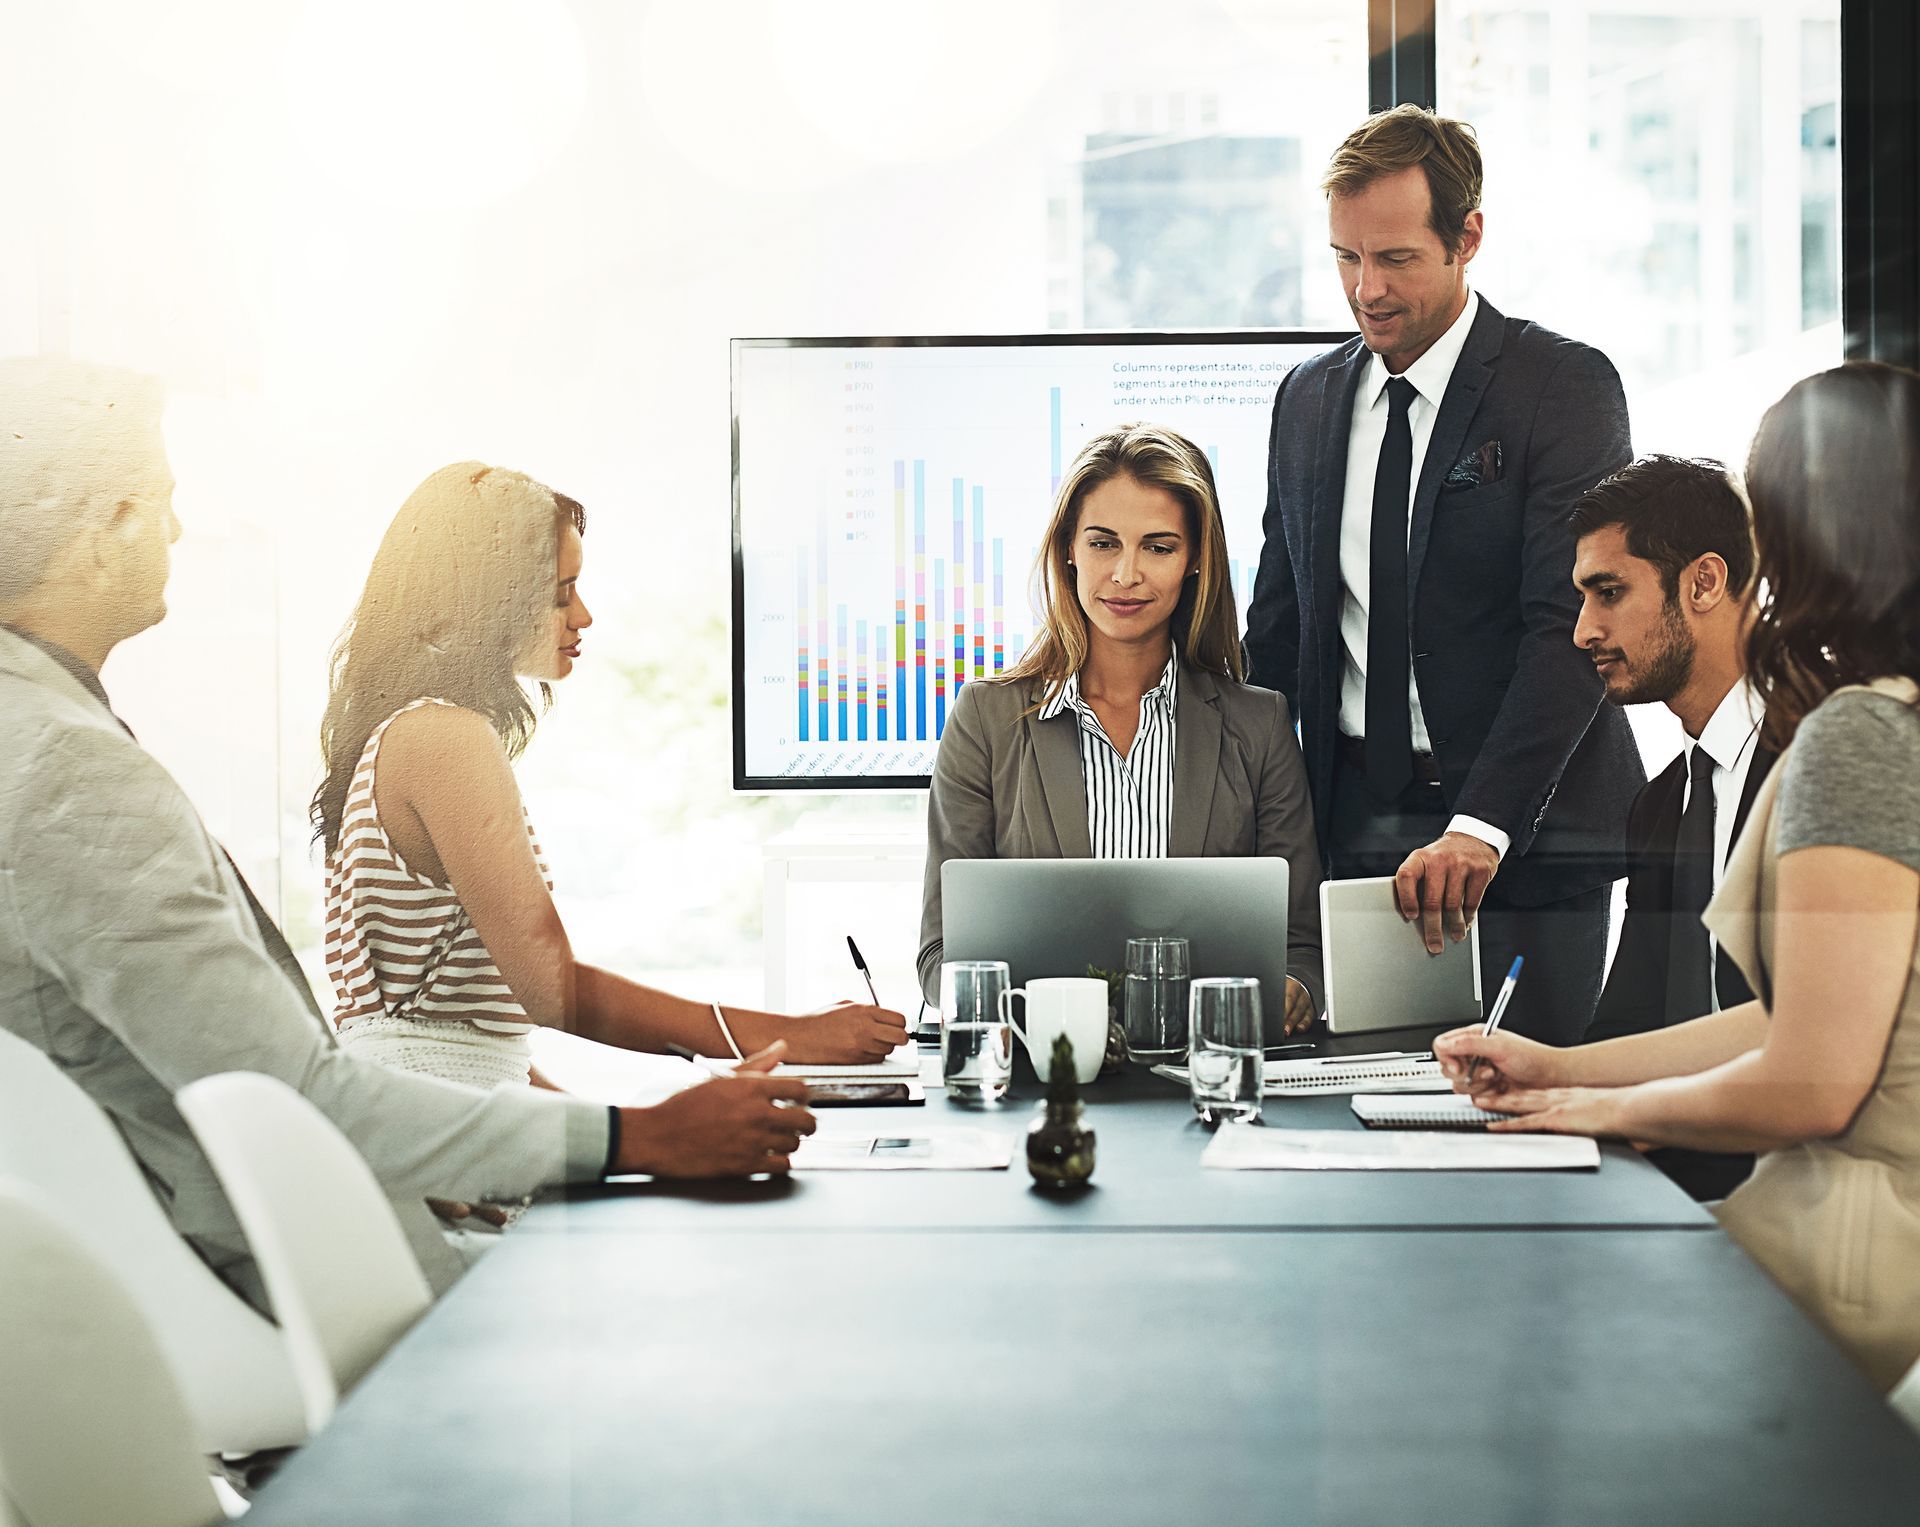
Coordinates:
(1674,510)
(76,441)
(1448,151)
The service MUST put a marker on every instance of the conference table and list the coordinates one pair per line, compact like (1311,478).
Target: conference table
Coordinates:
(1172,1344)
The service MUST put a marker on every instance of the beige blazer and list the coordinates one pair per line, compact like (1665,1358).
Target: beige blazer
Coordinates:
(129,954)
(1007,785)
(1836,1222)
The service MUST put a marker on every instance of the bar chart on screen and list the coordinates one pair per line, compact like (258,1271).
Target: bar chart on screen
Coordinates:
(890,501)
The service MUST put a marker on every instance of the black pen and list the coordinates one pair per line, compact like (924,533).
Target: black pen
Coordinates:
(861,965)
(713,1067)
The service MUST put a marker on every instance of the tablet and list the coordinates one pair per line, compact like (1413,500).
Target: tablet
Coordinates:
(1379,974)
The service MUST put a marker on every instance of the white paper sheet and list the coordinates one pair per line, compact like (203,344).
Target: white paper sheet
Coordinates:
(1247,1147)
(928,1150)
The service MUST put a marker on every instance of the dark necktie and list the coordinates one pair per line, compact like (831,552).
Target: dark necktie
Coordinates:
(1389,739)
(1689,954)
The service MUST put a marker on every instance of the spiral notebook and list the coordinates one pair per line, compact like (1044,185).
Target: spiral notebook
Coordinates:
(1358,1073)
(1336,1074)
(1450,1110)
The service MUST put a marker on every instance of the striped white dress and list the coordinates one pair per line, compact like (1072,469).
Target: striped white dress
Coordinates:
(416,988)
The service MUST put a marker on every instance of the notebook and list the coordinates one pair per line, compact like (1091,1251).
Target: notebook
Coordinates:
(1395,1072)
(1451,1111)
(1358,1073)
(1246,1148)
(903,1065)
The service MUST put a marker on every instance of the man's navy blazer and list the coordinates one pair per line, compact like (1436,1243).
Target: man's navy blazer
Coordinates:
(1518,719)
(1635,998)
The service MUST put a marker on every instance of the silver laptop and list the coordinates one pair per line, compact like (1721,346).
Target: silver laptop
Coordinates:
(1379,974)
(1055,917)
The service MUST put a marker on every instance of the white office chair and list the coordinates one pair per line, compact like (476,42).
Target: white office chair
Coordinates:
(1905,1398)
(232,1365)
(94,1428)
(337,1265)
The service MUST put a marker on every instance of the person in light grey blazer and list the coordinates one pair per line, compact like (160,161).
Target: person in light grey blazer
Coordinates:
(1125,732)
(131,951)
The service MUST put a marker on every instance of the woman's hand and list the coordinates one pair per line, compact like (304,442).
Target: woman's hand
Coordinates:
(845,1034)
(1299,1013)
(1488,1067)
(1594,1111)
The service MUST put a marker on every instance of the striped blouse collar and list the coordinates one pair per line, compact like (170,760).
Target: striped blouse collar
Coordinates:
(1166,691)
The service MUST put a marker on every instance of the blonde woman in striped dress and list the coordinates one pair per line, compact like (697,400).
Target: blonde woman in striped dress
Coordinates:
(442,939)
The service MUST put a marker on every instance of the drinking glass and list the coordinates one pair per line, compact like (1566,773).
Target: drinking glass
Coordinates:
(1224,1061)
(976,1041)
(1153,1007)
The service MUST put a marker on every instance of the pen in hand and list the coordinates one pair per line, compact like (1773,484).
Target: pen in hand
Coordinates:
(860,965)
(705,1063)
(1499,1009)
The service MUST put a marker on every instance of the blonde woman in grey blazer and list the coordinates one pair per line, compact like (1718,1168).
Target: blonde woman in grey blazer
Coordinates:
(1125,732)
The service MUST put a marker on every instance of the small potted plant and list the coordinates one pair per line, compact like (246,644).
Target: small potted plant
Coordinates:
(1059,1143)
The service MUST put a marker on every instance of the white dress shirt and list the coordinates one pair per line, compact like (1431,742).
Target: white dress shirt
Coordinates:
(1130,797)
(1366,432)
(1730,737)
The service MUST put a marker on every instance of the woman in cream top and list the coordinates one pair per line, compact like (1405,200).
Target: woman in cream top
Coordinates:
(443,939)
(1820,905)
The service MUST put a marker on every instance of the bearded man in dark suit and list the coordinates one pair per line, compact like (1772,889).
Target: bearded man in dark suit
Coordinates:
(1414,601)
(1664,564)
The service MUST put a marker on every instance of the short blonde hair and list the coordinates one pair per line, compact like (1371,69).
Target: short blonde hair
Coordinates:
(76,441)
(1206,625)
(1448,151)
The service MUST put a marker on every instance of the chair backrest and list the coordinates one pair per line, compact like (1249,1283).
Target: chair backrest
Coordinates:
(232,1364)
(1905,1398)
(337,1265)
(93,1425)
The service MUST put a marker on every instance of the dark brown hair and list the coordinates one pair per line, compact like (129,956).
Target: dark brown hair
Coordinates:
(1834,477)
(1674,510)
(1447,151)
(463,576)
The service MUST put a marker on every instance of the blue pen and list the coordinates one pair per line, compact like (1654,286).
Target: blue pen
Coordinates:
(1499,1008)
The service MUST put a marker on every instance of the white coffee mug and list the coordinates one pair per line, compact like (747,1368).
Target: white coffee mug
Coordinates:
(1072,1005)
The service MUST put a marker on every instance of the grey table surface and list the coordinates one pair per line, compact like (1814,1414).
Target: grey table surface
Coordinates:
(1533,1378)
(1148,1176)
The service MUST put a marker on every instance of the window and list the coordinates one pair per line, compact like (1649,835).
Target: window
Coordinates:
(1663,181)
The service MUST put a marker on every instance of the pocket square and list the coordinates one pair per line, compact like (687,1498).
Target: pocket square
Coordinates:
(1477,468)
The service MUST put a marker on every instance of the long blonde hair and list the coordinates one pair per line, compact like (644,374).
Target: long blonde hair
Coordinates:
(463,575)
(1206,626)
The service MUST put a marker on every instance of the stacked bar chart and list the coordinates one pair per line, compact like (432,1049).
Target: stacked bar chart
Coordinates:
(921,655)
(890,503)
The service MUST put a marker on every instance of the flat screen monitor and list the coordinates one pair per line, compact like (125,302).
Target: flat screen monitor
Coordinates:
(889,498)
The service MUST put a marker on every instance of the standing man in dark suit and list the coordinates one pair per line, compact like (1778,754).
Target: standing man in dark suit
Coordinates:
(1414,603)
(1664,564)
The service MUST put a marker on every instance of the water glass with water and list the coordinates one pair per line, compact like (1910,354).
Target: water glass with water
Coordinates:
(1153,1000)
(976,1041)
(1224,1060)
